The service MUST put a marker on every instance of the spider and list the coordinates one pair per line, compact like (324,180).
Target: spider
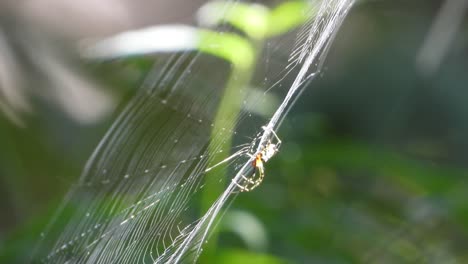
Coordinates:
(265,154)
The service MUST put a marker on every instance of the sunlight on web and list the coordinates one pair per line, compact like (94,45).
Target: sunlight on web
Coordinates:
(140,197)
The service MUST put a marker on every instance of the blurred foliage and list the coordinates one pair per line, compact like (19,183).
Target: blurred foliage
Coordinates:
(372,169)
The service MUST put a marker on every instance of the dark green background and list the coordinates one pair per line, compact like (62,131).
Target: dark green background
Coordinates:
(371,170)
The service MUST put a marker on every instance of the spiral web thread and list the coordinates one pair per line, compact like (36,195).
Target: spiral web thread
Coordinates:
(136,201)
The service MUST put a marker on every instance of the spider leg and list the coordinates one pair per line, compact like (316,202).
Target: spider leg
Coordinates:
(277,138)
(242,188)
(258,181)
(249,180)
(274,134)
(235,154)
(261,176)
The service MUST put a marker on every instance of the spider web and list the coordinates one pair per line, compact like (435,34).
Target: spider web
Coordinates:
(185,131)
